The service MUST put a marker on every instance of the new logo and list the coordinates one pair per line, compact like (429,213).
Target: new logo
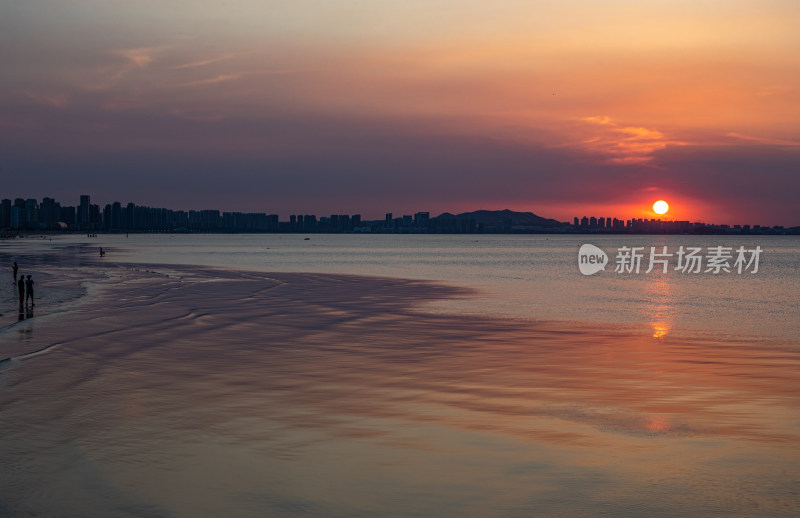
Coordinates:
(591,259)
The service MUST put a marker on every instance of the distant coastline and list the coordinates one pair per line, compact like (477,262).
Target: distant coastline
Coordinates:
(23,215)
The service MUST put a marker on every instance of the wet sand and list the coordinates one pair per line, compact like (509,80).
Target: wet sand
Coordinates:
(183,391)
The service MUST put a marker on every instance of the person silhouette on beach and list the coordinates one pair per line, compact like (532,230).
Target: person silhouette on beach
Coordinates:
(29,290)
(102,252)
(16,268)
(21,287)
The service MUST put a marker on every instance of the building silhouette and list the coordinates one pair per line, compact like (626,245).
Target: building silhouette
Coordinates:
(50,215)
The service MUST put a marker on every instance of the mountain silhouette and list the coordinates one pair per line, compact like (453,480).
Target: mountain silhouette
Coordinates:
(502,218)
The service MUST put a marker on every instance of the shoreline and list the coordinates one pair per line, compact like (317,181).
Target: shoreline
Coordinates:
(81,257)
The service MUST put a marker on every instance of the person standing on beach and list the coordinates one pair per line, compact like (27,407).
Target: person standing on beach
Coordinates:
(29,290)
(21,287)
(16,268)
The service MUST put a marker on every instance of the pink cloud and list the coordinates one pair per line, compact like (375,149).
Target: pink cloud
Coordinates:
(58,100)
(623,145)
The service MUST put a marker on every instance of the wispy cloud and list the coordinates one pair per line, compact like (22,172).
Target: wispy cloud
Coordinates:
(223,78)
(140,57)
(626,145)
(765,140)
(205,62)
(128,61)
(58,100)
(219,78)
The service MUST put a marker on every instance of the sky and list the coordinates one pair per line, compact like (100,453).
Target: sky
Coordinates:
(325,107)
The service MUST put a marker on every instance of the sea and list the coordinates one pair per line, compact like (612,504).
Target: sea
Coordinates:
(350,375)
(530,277)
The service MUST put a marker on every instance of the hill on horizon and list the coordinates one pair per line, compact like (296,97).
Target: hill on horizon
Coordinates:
(500,218)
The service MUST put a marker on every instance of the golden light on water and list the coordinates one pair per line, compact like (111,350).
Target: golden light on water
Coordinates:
(660,329)
(660,306)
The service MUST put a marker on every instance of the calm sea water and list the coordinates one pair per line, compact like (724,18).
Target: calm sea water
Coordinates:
(531,277)
(171,391)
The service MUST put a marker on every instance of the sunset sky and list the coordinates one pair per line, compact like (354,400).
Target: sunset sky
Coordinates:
(560,108)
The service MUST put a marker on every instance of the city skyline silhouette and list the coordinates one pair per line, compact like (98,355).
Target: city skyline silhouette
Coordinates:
(29,214)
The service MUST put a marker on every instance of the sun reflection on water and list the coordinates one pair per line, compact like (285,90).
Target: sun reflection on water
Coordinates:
(660,329)
(660,306)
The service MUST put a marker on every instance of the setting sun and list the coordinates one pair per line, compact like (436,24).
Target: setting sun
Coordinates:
(660,207)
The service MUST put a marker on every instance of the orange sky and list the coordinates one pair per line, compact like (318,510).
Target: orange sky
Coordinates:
(629,101)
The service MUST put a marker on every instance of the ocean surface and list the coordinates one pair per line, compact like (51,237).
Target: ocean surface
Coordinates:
(530,277)
(396,375)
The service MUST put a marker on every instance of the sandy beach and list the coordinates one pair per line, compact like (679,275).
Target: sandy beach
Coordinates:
(188,391)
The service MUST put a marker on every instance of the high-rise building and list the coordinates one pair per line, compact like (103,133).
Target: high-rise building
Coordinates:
(116,216)
(83,212)
(68,216)
(94,216)
(5,213)
(19,217)
(49,212)
(130,214)
(32,207)
(107,217)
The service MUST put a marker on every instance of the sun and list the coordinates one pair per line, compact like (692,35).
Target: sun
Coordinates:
(660,207)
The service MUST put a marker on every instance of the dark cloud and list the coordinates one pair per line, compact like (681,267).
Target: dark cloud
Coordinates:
(325,164)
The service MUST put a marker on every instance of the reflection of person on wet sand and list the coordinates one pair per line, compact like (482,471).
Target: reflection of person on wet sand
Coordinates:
(21,287)
(25,312)
(16,268)
(29,290)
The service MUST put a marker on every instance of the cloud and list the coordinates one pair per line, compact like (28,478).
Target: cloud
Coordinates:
(219,78)
(133,59)
(223,78)
(598,119)
(765,140)
(141,57)
(204,62)
(58,100)
(623,145)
